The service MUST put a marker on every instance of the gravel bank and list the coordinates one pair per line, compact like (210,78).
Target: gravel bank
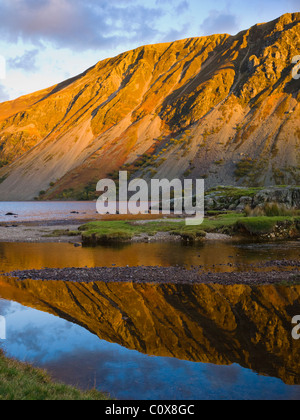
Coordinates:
(38,233)
(171,275)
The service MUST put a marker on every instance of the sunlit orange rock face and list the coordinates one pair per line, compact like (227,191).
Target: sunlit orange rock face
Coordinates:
(221,107)
(215,324)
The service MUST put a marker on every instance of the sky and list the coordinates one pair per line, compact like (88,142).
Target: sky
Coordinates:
(44,42)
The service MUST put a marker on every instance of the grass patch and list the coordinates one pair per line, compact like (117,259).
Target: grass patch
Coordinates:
(258,225)
(231,223)
(218,223)
(62,232)
(235,193)
(104,231)
(124,230)
(19,381)
(264,225)
(239,223)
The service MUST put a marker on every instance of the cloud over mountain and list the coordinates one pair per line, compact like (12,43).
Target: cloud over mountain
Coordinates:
(83,24)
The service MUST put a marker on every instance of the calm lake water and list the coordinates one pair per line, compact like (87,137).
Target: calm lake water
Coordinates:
(46,210)
(155,341)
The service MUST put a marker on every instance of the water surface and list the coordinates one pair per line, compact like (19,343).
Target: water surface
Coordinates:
(217,256)
(28,211)
(155,341)
(158,342)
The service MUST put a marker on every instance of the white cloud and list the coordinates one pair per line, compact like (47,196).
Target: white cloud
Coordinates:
(83,24)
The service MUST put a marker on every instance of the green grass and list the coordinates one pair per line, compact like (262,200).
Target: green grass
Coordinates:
(234,192)
(124,230)
(263,225)
(230,223)
(213,224)
(110,230)
(259,225)
(61,232)
(19,381)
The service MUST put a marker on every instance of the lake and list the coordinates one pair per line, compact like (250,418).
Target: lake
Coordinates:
(155,341)
(47,210)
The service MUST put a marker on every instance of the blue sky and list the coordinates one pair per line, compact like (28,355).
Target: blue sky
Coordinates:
(47,41)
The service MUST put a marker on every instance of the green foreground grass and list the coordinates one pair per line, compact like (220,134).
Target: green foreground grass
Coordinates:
(230,223)
(20,381)
(125,230)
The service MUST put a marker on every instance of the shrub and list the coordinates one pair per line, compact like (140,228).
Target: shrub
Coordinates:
(244,167)
(270,210)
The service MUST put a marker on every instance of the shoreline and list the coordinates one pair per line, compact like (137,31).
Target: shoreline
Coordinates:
(279,272)
(43,232)
(92,232)
(40,231)
(23,381)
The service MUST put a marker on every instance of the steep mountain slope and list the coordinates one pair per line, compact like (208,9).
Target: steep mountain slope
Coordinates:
(221,107)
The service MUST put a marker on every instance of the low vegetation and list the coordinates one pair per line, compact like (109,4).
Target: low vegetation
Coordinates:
(19,381)
(271,210)
(97,232)
(245,167)
(61,232)
(235,192)
(228,223)
(257,226)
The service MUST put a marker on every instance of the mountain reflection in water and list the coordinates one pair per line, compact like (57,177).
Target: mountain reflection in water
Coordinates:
(212,324)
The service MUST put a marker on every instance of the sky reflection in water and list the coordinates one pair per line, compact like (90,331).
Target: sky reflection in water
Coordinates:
(74,355)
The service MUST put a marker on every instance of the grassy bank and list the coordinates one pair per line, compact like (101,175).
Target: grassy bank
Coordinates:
(281,227)
(125,230)
(20,381)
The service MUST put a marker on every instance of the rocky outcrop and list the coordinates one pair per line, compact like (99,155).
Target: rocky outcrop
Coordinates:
(288,196)
(228,198)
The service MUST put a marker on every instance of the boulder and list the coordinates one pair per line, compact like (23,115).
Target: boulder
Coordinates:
(244,202)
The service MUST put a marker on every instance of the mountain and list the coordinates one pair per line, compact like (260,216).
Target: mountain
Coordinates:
(222,107)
